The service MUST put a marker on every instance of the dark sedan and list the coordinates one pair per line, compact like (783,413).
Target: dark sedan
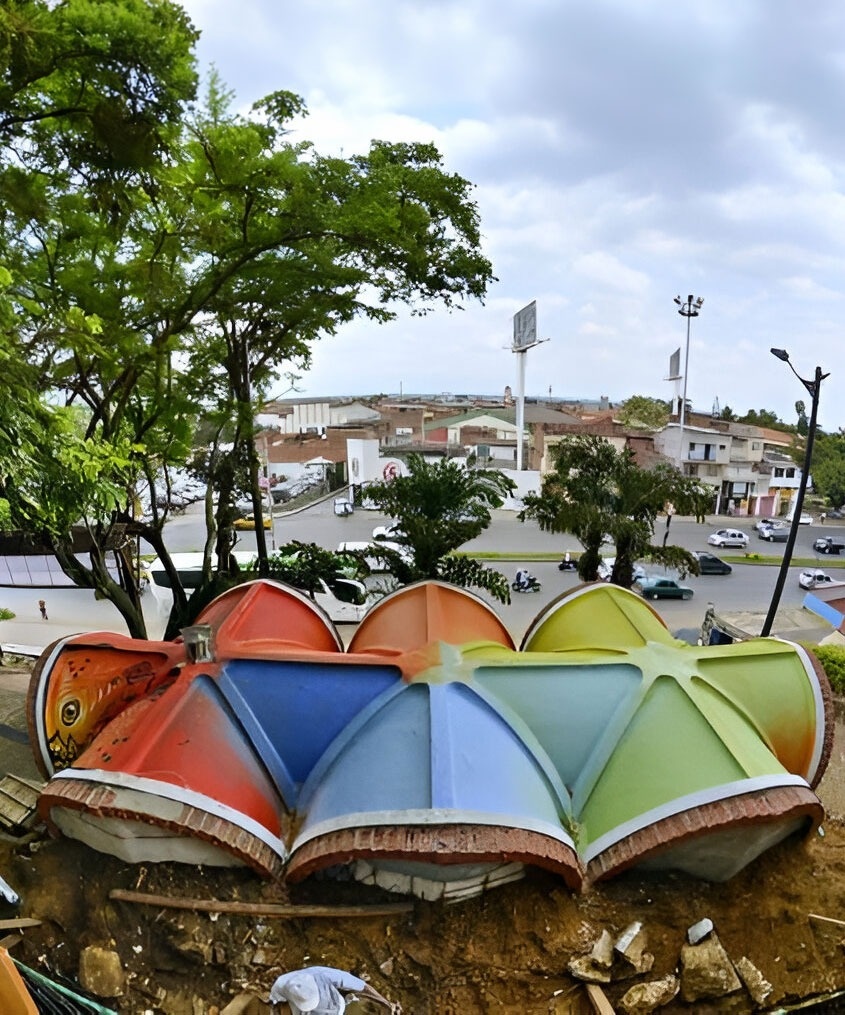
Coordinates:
(709,563)
(827,544)
(662,588)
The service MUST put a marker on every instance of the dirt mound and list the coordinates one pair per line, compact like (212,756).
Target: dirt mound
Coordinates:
(507,951)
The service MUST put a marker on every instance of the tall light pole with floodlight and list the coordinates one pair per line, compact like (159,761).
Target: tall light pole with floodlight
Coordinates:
(814,388)
(690,309)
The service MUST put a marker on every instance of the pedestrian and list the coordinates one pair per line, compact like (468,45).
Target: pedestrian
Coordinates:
(320,990)
(823,516)
(42,605)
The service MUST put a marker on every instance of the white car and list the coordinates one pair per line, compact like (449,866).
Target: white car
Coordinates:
(728,537)
(817,580)
(767,523)
(805,519)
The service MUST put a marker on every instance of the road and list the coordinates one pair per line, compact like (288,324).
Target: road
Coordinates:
(748,589)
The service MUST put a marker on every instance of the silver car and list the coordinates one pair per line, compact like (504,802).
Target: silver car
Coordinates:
(728,537)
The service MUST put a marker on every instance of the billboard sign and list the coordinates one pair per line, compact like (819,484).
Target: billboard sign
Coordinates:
(525,327)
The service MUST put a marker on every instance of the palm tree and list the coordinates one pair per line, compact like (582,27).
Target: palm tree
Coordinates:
(600,494)
(437,507)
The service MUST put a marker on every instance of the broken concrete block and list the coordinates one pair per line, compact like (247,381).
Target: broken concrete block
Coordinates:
(101,972)
(699,931)
(707,971)
(755,983)
(583,968)
(644,998)
(630,945)
(602,951)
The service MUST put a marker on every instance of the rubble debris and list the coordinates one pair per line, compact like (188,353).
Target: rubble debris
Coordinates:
(699,931)
(8,893)
(755,983)
(644,998)
(706,971)
(630,945)
(602,953)
(101,971)
(583,967)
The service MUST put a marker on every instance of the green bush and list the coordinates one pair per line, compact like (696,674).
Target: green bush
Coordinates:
(832,658)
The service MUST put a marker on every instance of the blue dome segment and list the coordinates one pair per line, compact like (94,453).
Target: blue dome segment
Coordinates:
(292,710)
(438,756)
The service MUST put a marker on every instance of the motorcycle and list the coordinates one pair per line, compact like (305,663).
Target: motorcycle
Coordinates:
(567,564)
(528,583)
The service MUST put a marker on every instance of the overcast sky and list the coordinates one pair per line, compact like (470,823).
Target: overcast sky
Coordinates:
(623,152)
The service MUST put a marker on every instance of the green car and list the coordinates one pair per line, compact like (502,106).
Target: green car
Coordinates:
(662,588)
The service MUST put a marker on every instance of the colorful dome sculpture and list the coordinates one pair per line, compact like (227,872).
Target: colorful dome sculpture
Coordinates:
(432,757)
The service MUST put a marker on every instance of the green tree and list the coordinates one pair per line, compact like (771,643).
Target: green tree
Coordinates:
(828,467)
(639,412)
(93,85)
(765,418)
(599,494)
(437,507)
(217,271)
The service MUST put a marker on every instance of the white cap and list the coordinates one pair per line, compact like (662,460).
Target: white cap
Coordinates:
(303,991)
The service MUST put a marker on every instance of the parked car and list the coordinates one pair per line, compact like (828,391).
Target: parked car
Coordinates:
(662,588)
(805,519)
(835,513)
(812,579)
(709,563)
(827,544)
(728,537)
(774,533)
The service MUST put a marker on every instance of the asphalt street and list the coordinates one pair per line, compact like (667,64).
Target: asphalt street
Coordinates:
(748,590)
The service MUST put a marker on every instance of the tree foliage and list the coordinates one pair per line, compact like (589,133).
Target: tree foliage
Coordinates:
(438,506)
(640,412)
(598,493)
(828,467)
(160,297)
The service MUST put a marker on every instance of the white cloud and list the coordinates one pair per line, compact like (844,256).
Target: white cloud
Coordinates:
(623,150)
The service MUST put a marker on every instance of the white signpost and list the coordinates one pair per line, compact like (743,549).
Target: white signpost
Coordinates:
(524,338)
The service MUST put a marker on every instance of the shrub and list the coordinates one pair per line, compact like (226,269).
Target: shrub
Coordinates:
(832,658)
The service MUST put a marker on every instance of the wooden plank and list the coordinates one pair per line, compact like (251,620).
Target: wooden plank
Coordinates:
(259,908)
(598,999)
(827,919)
(19,922)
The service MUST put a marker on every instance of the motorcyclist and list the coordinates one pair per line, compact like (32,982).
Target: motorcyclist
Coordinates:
(522,579)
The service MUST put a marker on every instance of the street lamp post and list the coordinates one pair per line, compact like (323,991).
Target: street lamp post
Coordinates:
(814,388)
(689,309)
